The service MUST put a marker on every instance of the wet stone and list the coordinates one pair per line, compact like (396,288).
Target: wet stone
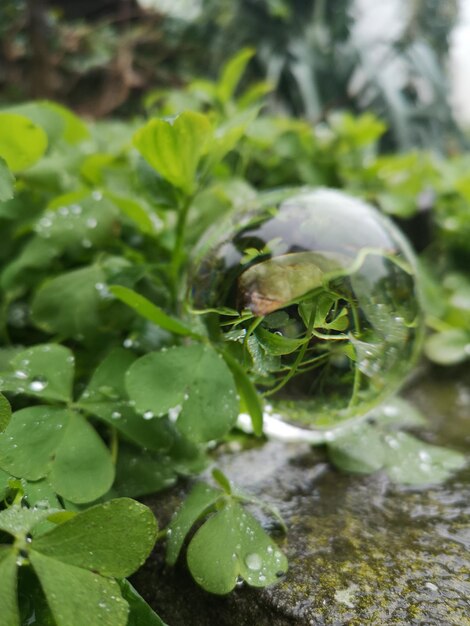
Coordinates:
(361,550)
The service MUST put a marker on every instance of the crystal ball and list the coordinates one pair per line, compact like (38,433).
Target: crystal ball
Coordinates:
(314,293)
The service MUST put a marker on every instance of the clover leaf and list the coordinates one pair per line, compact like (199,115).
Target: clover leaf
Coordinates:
(192,381)
(75,567)
(370,447)
(229,545)
(45,371)
(175,148)
(22,143)
(59,444)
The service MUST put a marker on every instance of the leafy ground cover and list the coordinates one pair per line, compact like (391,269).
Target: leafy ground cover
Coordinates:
(113,387)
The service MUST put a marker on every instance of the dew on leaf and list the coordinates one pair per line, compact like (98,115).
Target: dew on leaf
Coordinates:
(254,561)
(38,383)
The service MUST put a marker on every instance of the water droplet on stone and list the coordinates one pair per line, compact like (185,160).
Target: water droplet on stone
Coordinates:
(320,288)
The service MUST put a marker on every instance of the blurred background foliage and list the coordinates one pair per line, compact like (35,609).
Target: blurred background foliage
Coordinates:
(100,56)
(363,109)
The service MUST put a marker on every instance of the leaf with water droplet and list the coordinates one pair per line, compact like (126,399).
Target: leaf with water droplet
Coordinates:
(231,543)
(91,538)
(109,375)
(194,377)
(198,502)
(45,371)
(8,584)
(49,441)
(140,614)
(77,596)
(18,521)
(70,304)
(370,447)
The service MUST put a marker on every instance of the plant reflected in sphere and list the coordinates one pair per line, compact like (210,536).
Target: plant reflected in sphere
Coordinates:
(314,293)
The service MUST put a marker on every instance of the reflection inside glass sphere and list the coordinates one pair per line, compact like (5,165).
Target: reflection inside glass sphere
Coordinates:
(314,293)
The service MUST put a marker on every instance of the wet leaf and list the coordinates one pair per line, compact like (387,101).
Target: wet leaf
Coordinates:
(140,614)
(18,521)
(45,371)
(405,459)
(231,543)
(57,443)
(197,503)
(77,596)
(191,379)
(8,584)
(90,539)
(70,303)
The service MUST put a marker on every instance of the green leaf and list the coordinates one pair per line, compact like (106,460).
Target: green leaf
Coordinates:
(45,371)
(404,458)
(82,469)
(8,585)
(28,444)
(232,74)
(140,614)
(448,347)
(7,182)
(22,143)
(413,462)
(201,498)
(150,311)
(231,544)
(135,210)
(277,344)
(175,149)
(5,412)
(75,223)
(18,520)
(74,129)
(70,303)
(105,396)
(77,596)
(194,379)
(49,441)
(249,396)
(141,472)
(93,539)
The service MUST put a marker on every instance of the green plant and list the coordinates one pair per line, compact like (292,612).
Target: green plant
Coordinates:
(116,385)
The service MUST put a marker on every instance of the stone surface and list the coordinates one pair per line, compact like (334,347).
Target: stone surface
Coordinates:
(361,550)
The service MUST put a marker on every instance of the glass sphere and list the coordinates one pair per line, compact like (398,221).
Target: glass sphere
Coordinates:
(314,293)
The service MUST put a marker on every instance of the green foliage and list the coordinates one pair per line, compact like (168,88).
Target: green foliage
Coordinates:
(22,142)
(370,447)
(229,546)
(77,568)
(113,386)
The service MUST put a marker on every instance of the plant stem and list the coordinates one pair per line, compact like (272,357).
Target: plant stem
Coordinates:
(114,445)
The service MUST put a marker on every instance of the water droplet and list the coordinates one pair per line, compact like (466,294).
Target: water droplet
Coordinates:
(254,561)
(21,374)
(148,415)
(115,415)
(340,280)
(38,383)
(91,222)
(97,195)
